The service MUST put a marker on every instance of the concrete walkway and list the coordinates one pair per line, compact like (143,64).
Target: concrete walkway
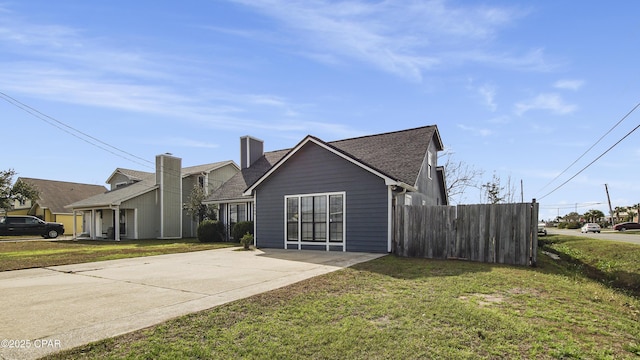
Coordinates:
(46,310)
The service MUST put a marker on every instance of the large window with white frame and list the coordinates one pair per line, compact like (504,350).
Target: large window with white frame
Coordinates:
(315,219)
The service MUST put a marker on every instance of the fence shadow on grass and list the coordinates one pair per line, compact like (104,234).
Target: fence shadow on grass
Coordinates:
(417,268)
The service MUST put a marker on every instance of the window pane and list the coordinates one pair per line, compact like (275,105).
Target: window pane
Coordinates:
(306,204)
(292,209)
(320,209)
(292,219)
(292,231)
(233,214)
(335,208)
(335,231)
(307,231)
(242,212)
(336,218)
(320,231)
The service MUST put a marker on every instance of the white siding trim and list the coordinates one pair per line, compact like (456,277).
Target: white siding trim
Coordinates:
(390,218)
(254,219)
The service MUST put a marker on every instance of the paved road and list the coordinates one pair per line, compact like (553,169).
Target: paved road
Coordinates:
(50,309)
(628,236)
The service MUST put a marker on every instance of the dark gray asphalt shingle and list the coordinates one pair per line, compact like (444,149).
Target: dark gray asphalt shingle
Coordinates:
(397,154)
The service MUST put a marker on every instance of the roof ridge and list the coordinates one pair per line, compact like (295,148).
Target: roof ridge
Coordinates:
(381,134)
(60,181)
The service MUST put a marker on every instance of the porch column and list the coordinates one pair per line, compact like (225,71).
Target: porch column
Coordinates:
(75,225)
(92,227)
(116,228)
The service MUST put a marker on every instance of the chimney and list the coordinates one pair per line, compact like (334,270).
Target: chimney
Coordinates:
(251,149)
(169,180)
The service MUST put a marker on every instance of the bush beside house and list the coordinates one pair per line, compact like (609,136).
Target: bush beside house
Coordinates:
(210,231)
(241,228)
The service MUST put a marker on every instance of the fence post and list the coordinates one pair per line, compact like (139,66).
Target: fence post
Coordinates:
(533,234)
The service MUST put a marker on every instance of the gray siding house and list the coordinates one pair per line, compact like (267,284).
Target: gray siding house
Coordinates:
(144,205)
(333,196)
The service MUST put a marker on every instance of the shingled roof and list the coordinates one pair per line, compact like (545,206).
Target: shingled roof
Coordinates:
(234,187)
(55,195)
(398,155)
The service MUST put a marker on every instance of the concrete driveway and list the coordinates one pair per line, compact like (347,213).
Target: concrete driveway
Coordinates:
(46,310)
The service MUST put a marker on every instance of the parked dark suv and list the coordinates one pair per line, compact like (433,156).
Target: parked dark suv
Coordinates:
(29,225)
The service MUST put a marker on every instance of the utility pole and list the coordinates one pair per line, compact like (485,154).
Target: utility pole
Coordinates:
(606,188)
(521,191)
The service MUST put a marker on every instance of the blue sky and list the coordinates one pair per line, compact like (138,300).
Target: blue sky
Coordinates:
(518,89)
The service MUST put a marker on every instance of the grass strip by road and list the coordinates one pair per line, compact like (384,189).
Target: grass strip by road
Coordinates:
(399,308)
(30,254)
(616,264)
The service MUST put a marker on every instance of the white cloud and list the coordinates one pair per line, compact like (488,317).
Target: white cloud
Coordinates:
(550,102)
(402,38)
(475,131)
(66,65)
(488,93)
(569,84)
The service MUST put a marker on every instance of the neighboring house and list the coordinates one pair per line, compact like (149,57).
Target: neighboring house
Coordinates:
(53,197)
(337,195)
(150,205)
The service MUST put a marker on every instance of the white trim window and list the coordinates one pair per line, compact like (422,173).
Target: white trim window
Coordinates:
(315,219)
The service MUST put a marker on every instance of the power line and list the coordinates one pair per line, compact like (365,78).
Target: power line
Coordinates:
(591,163)
(570,206)
(592,146)
(74,132)
(91,140)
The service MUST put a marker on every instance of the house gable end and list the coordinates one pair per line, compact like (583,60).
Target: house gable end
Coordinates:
(311,139)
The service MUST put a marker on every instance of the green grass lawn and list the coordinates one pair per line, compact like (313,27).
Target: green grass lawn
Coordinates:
(616,264)
(399,308)
(30,254)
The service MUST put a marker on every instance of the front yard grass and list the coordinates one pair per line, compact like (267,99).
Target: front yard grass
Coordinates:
(399,308)
(30,254)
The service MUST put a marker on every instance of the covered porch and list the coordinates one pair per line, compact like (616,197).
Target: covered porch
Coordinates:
(106,223)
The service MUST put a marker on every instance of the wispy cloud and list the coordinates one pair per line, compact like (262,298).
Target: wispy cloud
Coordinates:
(476,131)
(63,64)
(550,102)
(568,84)
(488,93)
(403,38)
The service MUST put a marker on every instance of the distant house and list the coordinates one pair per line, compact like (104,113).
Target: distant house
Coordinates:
(144,205)
(338,195)
(53,197)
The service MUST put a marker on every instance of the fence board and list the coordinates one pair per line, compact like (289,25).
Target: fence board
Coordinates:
(500,233)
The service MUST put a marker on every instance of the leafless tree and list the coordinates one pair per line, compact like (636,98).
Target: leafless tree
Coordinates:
(459,176)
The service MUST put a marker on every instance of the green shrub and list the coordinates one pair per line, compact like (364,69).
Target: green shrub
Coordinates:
(210,231)
(574,225)
(246,241)
(240,229)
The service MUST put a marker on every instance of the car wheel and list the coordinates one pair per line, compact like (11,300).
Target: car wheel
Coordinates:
(623,229)
(52,234)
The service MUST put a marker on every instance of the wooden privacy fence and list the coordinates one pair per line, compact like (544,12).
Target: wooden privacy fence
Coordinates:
(499,233)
